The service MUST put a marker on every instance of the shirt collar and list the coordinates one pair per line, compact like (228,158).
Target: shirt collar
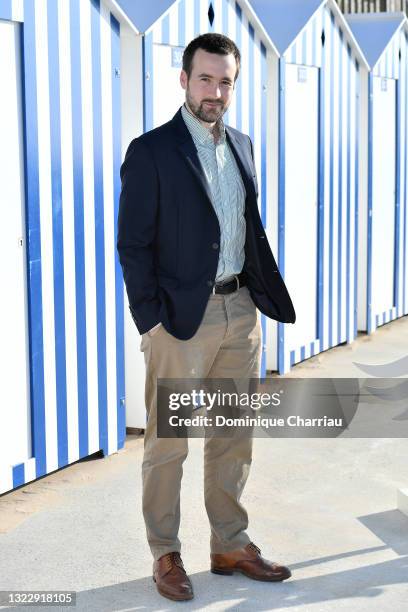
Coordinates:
(200,133)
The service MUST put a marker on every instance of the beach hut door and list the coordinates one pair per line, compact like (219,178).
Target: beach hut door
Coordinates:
(301,199)
(383,193)
(15,418)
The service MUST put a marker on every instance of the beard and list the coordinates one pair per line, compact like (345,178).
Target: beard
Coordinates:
(208,114)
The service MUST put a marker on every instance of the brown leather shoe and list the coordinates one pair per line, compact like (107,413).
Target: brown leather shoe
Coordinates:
(171,578)
(248,561)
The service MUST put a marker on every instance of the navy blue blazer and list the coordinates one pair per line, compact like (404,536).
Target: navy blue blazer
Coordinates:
(168,233)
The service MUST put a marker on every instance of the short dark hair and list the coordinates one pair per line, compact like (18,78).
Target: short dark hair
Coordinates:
(212,43)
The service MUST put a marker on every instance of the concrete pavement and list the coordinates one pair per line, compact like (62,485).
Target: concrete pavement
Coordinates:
(325,507)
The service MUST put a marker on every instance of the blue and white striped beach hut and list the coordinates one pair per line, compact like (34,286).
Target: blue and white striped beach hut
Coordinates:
(167,27)
(383,226)
(60,153)
(314,217)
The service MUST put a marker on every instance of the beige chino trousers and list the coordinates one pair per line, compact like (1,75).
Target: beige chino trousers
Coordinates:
(227,344)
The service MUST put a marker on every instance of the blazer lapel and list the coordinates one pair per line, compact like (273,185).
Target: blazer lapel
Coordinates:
(185,145)
(189,152)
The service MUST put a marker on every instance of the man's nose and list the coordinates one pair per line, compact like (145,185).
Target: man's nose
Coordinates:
(216,90)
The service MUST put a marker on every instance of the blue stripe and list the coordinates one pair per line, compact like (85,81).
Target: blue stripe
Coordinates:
(251,81)
(18,475)
(264,78)
(356,187)
(165,30)
(302,353)
(238,41)
(251,112)
(321,211)
(57,233)
(281,205)
(397,288)
(349,60)
(263,353)
(196,17)
(33,241)
(340,193)
(6,10)
(292,358)
(119,288)
(182,23)
(78,176)
(312,348)
(264,93)
(370,201)
(99,224)
(144,81)
(331,214)
(225,26)
(148,81)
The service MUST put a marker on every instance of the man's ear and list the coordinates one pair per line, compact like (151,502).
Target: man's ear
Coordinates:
(183,79)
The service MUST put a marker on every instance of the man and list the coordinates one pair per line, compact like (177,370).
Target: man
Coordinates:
(196,264)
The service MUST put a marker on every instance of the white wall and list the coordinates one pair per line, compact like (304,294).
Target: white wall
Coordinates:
(132,126)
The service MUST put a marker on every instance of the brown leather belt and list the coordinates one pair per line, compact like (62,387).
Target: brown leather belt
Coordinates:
(229,287)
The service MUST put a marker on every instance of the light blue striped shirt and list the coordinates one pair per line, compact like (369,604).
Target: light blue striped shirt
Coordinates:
(227,193)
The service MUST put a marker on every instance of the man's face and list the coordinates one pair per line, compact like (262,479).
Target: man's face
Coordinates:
(210,86)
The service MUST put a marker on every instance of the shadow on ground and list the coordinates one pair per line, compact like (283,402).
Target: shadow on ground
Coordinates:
(239,593)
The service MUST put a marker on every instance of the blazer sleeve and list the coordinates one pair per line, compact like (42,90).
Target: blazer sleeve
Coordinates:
(137,222)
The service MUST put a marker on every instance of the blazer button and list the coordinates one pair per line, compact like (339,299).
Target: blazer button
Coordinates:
(210,283)
(215,245)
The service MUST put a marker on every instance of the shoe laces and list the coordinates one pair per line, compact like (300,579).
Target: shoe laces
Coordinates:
(254,547)
(173,558)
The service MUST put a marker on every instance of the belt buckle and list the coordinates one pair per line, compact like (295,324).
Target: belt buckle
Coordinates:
(236,278)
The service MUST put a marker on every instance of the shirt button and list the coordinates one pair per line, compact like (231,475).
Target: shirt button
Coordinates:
(215,245)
